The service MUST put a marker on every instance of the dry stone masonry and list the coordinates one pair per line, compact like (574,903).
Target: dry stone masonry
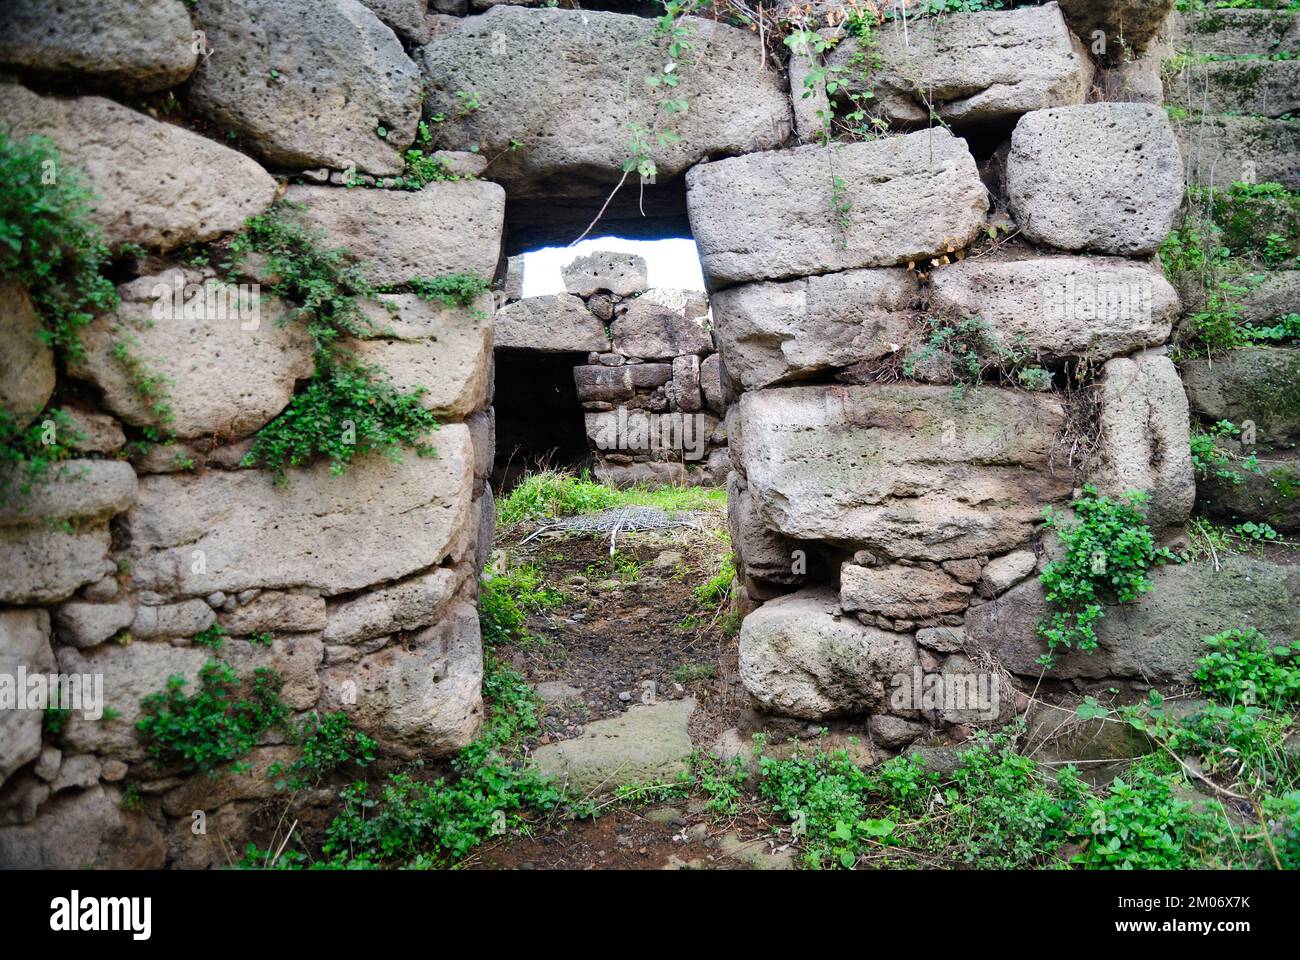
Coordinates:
(651,387)
(358,589)
(913,341)
(879,512)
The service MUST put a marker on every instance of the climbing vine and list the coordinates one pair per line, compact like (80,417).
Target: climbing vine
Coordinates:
(347,409)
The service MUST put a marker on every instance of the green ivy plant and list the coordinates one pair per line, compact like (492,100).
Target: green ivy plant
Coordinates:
(347,409)
(1244,666)
(1209,459)
(36,450)
(1108,551)
(49,242)
(218,725)
(327,745)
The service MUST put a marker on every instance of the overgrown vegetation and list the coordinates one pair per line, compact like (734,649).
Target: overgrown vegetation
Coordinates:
(416,823)
(328,745)
(506,599)
(964,350)
(1217,789)
(50,247)
(1108,551)
(347,409)
(36,450)
(218,724)
(1211,459)
(49,242)
(1228,241)
(556,493)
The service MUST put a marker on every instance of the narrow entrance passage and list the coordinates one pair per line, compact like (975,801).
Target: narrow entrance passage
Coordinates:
(539,421)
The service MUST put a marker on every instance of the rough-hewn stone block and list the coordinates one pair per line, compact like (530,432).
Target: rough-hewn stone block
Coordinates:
(973,68)
(799,657)
(904,470)
(1105,177)
(572,117)
(814,209)
(155,184)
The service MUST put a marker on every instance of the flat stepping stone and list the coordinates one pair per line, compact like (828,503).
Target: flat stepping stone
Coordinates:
(647,744)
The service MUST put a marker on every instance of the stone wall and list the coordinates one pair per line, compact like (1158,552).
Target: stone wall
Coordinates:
(918,341)
(360,589)
(1235,92)
(651,389)
(880,507)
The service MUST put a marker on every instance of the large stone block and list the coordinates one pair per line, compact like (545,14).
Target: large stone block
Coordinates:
(169,620)
(1221,151)
(654,332)
(229,370)
(155,184)
(903,470)
(275,610)
(233,531)
(1145,443)
(1270,496)
(1235,33)
(137,46)
(560,323)
(622,274)
(1257,88)
(647,744)
(447,227)
(446,351)
(295,657)
(603,384)
(976,68)
(83,830)
(777,215)
(24,642)
(308,83)
(407,18)
(572,117)
(907,593)
(800,657)
(1256,384)
(1157,639)
(403,606)
(81,490)
(45,564)
(90,624)
(764,556)
(26,362)
(1270,296)
(1056,307)
(1126,24)
(772,333)
(715,393)
(420,698)
(130,673)
(1105,177)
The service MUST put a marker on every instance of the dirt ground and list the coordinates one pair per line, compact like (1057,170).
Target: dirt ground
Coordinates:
(627,622)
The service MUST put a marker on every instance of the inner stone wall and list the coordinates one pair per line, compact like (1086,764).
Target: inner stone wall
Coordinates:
(651,385)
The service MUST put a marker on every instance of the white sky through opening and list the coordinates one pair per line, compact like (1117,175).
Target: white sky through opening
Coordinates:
(670,263)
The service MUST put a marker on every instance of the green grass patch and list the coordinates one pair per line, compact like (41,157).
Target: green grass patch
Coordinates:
(557,493)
